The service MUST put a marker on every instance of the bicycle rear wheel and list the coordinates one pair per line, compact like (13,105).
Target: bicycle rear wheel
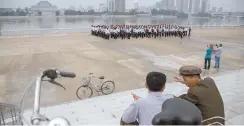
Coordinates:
(84,92)
(107,87)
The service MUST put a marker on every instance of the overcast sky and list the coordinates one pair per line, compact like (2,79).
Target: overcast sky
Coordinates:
(229,5)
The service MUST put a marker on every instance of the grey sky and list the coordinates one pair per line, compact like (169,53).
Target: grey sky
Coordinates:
(229,5)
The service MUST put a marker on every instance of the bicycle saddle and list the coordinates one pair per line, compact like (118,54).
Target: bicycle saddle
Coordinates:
(102,77)
(177,111)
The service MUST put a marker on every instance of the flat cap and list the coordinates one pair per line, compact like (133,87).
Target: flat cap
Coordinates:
(190,70)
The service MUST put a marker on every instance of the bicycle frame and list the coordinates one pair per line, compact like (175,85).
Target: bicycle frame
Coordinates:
(94,88)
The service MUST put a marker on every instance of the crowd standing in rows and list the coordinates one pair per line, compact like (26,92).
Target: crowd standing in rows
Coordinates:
(139,31)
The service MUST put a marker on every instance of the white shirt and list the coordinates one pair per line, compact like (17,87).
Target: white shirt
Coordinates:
(145,109)
(135,30)
(218,52)
(117,30)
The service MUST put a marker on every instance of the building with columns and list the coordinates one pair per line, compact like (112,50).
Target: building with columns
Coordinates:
(45,8)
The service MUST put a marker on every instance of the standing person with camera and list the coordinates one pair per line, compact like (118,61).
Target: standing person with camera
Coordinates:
(208,56)
(218,53)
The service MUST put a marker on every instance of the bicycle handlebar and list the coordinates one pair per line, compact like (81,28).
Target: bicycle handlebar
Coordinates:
(67,74)
(52,74)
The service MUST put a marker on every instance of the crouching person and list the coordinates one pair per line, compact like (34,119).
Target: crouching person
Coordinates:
(142,110)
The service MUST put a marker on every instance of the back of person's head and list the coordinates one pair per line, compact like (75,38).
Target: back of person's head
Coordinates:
(155,81)
(211,46)
(176,111)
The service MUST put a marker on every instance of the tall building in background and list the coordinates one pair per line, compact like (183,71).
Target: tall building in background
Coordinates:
(160,4)
(196,6)
(171,5)
(191,6)
(179,5)
(204,5)
(136,5)
(220,10)
(111,6)
(214,9)
(208,7)
(119,5)
(185,6)
(238,5)
(166,4)
(182,6)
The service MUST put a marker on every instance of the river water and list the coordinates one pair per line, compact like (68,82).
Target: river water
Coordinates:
(39,25)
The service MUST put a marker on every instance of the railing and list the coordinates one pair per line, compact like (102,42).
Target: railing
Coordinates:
(9,114)
(85,29)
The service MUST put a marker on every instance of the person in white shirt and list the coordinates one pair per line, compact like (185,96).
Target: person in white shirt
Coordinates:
(166,32)
(136,32)
(128,33)
(143,33)
(142,110)
(107,33)
(185,31)
(150,32)
(218,53)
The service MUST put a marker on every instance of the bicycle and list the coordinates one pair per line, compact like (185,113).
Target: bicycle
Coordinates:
(86,89)
(37,118)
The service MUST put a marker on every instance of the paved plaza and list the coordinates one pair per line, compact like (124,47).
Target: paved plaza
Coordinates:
(107,110)
(125,61)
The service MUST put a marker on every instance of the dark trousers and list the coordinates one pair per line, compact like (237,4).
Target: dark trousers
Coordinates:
(207,63)
(124,123)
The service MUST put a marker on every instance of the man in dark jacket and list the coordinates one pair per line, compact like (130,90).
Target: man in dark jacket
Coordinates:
(203,93)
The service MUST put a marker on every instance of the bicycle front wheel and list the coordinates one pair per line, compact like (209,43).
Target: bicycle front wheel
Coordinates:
(108,87)
(84,92)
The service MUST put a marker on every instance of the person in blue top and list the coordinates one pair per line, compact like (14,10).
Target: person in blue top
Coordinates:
(208,55)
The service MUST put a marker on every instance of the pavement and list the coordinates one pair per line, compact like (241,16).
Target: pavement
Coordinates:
(107,110)
(124,61)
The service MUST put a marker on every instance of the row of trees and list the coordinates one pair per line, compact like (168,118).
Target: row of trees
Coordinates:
(18,12)
(177,13)
(168,12)
(25,12)
(92,12)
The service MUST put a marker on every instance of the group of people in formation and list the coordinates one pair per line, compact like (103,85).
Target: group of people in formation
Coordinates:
(139,31)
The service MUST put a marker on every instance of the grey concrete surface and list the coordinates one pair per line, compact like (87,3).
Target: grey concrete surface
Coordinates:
(107,110)
(125,61)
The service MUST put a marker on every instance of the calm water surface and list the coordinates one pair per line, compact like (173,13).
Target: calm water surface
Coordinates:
(38,25)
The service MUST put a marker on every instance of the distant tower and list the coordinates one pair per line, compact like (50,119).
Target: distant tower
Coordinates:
(171,5)
(120,5)
(204,6)
(111,6)
(136,5)
(196,7)
(190,6)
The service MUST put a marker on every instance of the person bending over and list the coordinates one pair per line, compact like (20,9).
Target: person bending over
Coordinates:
(142,110)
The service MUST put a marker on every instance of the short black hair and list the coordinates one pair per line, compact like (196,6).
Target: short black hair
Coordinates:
(155,81)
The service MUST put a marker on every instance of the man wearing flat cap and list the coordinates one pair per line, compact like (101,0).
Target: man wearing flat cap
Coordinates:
(202,92)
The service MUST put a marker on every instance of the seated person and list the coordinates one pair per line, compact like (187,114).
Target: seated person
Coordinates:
(203,93)
(176,111)
(142,110)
